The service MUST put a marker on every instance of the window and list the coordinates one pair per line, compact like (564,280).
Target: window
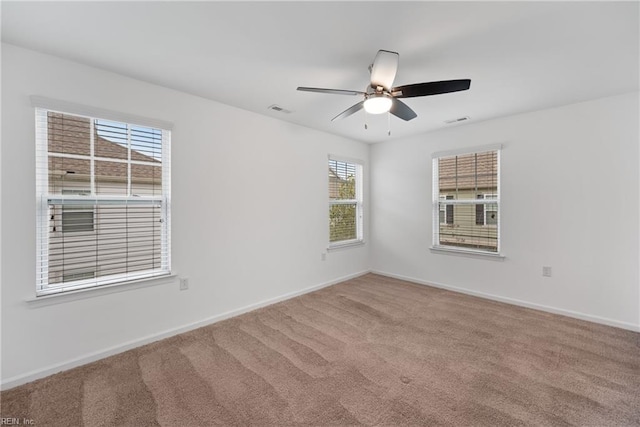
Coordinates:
(487,213)
(466,200)
(345,202)
(446,211)
(103,193)
(76,219)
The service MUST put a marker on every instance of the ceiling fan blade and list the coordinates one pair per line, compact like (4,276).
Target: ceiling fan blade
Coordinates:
(349,111)
(430,88)
(384,68)
(331,91)
(402,110)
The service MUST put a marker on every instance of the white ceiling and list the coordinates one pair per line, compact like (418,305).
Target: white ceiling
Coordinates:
(520,56)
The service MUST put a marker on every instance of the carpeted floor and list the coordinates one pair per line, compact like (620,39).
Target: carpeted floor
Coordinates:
(370,351)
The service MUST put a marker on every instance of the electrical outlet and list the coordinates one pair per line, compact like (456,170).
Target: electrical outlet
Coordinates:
(323,256)
(184,283)
(546,271)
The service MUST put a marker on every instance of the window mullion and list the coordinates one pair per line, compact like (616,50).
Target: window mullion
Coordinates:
(92,160)
(129,160)
(455,202)
(103,159)
(344,202)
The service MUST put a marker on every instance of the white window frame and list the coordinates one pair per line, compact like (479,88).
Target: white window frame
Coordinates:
(358,202)
(437,203)
(44,199)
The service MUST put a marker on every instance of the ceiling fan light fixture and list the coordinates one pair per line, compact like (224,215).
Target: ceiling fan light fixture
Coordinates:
(380,96)
(377,104)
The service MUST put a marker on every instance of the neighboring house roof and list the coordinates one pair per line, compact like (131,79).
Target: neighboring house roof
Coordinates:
(71,135)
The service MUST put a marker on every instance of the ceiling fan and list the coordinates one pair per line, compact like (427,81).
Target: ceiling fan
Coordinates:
(381,97)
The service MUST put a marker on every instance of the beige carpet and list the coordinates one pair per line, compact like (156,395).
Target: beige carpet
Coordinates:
(370,351)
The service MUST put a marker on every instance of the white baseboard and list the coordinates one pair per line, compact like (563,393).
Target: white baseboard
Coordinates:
(541,307)
(92,357)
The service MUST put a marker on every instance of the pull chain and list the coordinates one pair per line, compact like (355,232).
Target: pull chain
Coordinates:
(389,124)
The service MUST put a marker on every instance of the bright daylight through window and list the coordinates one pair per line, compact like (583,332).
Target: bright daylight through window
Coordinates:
(345,202)
(466,201)
(103,192)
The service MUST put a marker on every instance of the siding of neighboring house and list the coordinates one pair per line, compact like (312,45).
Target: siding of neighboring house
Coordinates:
(89,240)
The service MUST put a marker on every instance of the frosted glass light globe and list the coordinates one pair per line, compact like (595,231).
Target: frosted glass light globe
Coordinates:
(377,104)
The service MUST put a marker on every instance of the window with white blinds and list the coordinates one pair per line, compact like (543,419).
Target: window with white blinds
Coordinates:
(103,201)
(466,200)
(345,202)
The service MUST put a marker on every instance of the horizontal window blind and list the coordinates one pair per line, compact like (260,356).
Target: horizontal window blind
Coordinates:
(103,195)
(466,201)
(345,201)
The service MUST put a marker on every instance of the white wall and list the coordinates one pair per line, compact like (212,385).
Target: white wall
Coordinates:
(249,216)
(569,200)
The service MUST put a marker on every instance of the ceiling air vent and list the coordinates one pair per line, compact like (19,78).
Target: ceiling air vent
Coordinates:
(278,108)
(459,119)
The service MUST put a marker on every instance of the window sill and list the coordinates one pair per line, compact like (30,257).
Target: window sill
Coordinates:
(62,297)
(467,252)
(345,244)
